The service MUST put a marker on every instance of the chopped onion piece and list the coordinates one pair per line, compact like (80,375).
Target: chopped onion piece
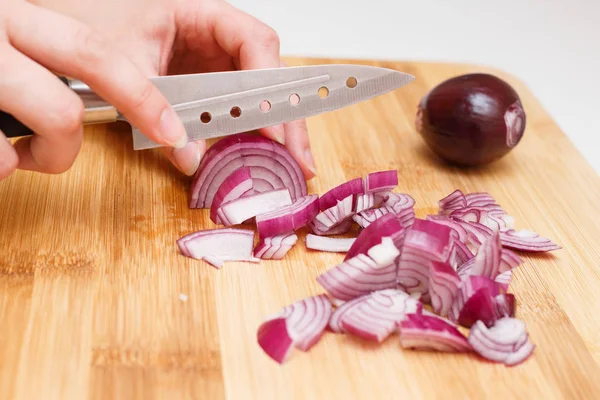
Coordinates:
(506,305)
(358,276)
(424,242)
(378,314)
(338,213)
(400,204)
(216,246)
(460,254)
(382,181)
(288,218)
(335,245)
(509,260)
(268,161)
(454,201)
(504,279)
(506,342)
(488,258)
(460,231)
(444,287)
(341,192)
(303,325)
(419,331)
(526,240)
(239,210)
(476,198)
(476,301)
(276,247)
(321,230)
(388,225)
(335,322)
(236,185)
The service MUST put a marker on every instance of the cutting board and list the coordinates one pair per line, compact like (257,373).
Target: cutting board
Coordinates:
(97,303)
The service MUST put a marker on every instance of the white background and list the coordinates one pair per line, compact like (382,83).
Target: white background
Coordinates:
(553,46)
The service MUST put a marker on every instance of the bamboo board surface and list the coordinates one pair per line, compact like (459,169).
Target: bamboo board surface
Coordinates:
(90,276)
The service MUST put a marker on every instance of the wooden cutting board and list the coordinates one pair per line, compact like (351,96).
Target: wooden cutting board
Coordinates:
(91,278)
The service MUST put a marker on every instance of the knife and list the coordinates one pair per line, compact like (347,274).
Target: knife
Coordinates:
(218,104)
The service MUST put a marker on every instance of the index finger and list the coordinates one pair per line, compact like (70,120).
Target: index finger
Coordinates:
(71,48)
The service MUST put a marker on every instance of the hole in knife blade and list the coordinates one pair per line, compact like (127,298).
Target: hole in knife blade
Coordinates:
(351,82)
(205,117)
(235,112)
(265,106)
(323,92)
(294,99)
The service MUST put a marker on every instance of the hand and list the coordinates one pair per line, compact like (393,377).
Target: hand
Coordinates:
(32,42)
(188,36)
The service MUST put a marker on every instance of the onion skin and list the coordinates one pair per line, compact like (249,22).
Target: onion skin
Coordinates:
(471,120)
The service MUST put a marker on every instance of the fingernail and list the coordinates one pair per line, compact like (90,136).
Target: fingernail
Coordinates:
(310,161)
(279,133)
(188,158)
(172,130)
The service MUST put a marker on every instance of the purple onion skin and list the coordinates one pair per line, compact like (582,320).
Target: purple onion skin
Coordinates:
(462,120)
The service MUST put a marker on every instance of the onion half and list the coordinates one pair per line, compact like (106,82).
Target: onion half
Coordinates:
(269,163)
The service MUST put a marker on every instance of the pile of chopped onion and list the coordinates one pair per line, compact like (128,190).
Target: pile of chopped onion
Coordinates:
(439,282)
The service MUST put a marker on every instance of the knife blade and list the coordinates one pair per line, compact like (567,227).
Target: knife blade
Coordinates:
(218,104)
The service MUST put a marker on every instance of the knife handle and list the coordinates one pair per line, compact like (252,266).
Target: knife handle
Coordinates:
(11,127)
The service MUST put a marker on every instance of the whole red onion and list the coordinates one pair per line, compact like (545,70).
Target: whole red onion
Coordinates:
(471,119)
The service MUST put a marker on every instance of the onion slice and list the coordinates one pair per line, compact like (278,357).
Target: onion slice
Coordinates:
(378,315)
(506,342)
(444,287)
(419,331)
(270,163)
(244,208)
(288,218)
(335,245)
(386,226)
(341,192)
(276,247)
(382,181)
(216,246)
(362,274)
(504,279)
(300,324)
(321,230)
(526,240)
(400,204)
(236,185)
(488,258)
(454,201)
(424,242)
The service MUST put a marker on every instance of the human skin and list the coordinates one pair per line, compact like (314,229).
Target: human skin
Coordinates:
(113,46)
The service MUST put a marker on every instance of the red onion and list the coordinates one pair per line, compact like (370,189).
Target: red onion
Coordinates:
(378,315)
(288,218)
(321,230)
(454,201)
(386,226)
(460,254)
(526,240)
(236,185)
(341,192)
(479,199)
(504,279)
(488,258)
(399,204)
(216,246)
(424,242)
(476,301)
(362,274)
(509,260)
(276,247)
(444,287)
(321,243)
(506,305)
(382,181)
(300,324)
(458,226)
(239,210)
(471,120)
(506,342)
(419,331)
(335,322)
(338,213)
(268,161)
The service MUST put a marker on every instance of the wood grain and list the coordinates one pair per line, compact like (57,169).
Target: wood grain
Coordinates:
(90,276)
